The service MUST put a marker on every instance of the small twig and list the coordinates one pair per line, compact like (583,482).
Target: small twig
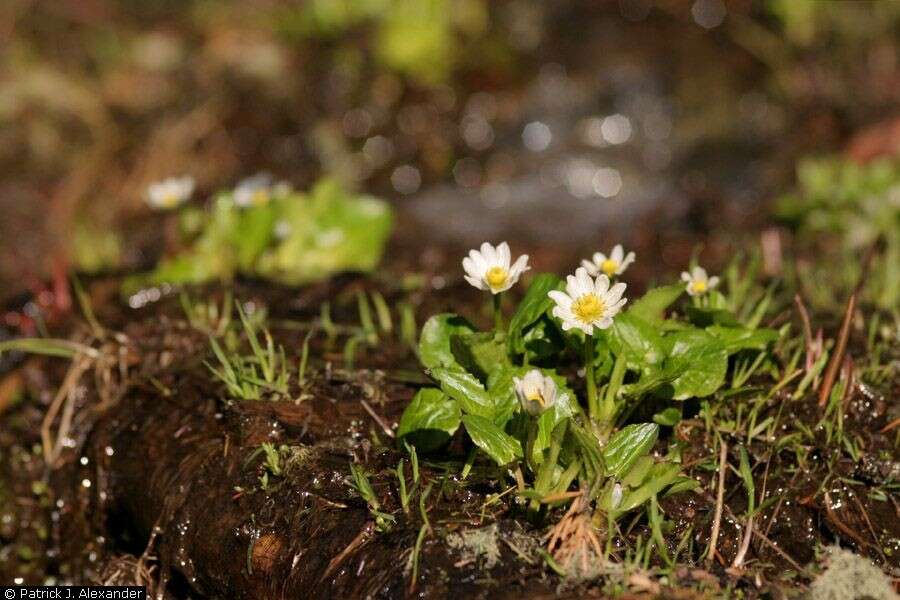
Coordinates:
(865,514)
(832,516)
(720,499)
(384,426)
(892,425)
(807,329)
(745,546)
(781,552)
(361,538)
(835,362)
(65,392)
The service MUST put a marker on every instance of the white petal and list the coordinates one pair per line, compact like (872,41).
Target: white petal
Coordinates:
(604,323)
(470,268)
(700,273)
(617,253)
(503,255)
(599,257)
(713,282)
(476,282)
(520,266)
(689,288)
(601,286)
(480,263)
(489,255)
(628,260)
(572,287)
(590,267)
(686,277)
(585,283)
(561,298)
(615,293)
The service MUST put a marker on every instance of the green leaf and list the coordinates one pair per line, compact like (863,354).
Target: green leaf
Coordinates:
(701,360)
(430,420)
(682,484)
(434,342)
(736,339)
(628,445)
(661,475)
(637,474)
(704,317)
(542,341)
(637,340)
(467,390)
(747,476)
(650,306)
(495,442)
(503,394)
(535,303)
(668,417)
(588,448)
(478,353)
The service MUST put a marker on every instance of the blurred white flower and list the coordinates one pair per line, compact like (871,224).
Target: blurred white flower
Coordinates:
(254,191)
(283,229)
(614,264)
(171,192)
(536,392)
(698,283)
(490,269)
(587,303)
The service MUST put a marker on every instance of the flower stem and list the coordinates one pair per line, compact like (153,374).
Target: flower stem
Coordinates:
(589,375)
(529,446)
(498,314)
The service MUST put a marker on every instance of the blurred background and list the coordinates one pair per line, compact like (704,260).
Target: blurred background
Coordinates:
(568,125)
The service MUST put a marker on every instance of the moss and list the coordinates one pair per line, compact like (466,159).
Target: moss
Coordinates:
(850,577)
(477,545)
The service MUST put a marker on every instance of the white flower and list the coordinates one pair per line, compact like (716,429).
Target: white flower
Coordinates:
(254,191)
(698,283)
(587,303)
(490,269)
(536,392)
(170,192)
(614,264)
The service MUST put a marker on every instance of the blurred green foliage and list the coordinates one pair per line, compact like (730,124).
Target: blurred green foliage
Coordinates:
(422,39)
(858,204)
(292,238)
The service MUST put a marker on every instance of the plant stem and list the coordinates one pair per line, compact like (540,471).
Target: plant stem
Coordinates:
(498,314)
(608,408)
(529,446)
(543,480)
(589,375)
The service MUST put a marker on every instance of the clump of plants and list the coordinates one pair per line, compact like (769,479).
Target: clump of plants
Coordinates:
(265,229)
(548,393)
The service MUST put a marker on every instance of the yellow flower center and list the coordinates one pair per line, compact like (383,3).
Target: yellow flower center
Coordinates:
(260,197)
(609,267)
(170,200)
(535,396)
(699,286)
(496,277)
(588,308)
